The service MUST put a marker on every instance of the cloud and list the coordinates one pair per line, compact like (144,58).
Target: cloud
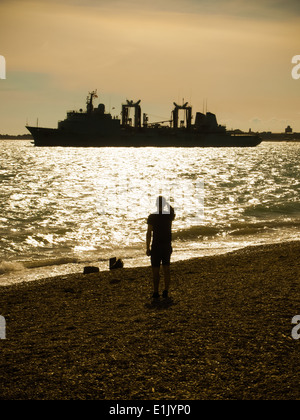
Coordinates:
(21,81)
(256,121)
(258,9)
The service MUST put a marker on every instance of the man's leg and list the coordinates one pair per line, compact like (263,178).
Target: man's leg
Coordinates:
(167,276)
(166,268)
(155,263)
(155,272)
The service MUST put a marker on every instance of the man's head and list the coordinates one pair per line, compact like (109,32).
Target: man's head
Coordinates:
(160,203)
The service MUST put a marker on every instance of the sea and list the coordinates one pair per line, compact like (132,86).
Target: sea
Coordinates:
(62,209)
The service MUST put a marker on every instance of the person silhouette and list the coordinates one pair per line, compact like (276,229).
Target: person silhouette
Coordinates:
(160,250)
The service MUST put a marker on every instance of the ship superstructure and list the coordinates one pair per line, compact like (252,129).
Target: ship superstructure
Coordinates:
(94,127)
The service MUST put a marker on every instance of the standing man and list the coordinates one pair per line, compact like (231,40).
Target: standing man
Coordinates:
(160,224)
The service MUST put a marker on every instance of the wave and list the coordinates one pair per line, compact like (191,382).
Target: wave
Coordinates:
(49,262)
(10,266)
(13,266)
(195,231)
(234,229)
(279,208)
(266,224)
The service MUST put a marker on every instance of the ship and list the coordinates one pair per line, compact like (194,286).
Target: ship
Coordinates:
(94,127)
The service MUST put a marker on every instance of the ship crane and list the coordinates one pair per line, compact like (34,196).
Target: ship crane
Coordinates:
(159,122)
(137,113)
(188,114)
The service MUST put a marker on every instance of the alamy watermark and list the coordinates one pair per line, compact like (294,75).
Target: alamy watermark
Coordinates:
(2,328)
(296,69)
(2,67)
(128,196)
(296,329)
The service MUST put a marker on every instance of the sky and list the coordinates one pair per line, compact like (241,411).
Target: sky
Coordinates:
(234,55)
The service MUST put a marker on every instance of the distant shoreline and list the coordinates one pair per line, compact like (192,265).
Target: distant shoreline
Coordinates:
(289,138)
(269,136)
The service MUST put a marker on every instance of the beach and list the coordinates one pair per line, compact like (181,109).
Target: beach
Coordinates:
(224,333)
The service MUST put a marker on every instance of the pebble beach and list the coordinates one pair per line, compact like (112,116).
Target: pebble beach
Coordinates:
(223,334)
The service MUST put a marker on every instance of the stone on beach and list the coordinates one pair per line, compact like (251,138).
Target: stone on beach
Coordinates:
(90,270)
(115,263)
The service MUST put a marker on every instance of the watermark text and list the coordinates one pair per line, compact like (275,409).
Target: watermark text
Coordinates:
(127,196)
(2,67)
(296,329)
(296,69)
(2,328)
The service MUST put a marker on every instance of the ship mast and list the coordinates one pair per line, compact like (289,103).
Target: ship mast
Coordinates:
(89,101)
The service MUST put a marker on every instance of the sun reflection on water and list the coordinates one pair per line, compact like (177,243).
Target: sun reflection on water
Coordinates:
(87,202)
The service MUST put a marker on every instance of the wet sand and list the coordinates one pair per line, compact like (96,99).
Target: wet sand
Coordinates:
(225,332)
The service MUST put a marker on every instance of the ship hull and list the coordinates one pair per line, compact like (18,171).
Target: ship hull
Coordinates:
(51,137)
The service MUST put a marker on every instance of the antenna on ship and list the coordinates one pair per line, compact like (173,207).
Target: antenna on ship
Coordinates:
(89,101)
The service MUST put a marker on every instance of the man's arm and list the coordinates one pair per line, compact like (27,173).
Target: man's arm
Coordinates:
(148,239)
(172,213)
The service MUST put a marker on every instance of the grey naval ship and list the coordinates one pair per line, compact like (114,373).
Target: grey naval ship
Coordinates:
(96,128)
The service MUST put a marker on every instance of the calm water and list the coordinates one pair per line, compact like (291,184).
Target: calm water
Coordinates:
(64,208)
